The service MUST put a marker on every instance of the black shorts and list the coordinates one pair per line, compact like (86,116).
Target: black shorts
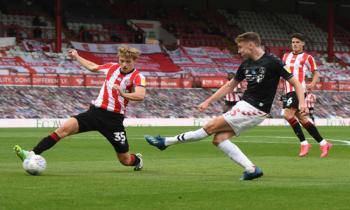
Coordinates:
(311,110)
(291,101)
(230,103)
(109,124)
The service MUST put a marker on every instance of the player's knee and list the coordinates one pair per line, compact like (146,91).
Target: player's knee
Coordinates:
(209,128)
(218,138)
(303,121)
(216,142)
(68,128)
(65,130)
(287,115)
(62,132)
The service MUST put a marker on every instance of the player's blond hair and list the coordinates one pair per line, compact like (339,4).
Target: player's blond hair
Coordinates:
(128,52)
(249,37)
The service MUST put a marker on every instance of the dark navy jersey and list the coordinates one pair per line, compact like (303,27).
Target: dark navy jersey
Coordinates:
(263,76)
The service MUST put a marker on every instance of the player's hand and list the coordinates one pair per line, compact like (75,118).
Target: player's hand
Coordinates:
(73,53)
(203,106)
(303,109)
(118,89)
(310,86)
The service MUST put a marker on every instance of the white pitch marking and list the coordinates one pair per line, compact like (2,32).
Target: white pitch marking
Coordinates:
(137,137)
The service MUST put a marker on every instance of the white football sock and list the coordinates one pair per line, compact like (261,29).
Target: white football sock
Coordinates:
(237,155)
(187,137)
(305,142)
(323,142)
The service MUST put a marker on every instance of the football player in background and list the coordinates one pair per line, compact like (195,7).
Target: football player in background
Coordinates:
(310,101)
(232,97)
(299,62)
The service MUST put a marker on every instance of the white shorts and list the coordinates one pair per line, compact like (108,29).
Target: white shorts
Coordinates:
(244,116)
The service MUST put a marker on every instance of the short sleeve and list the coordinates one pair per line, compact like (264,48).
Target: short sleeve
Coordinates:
(311,63)
(284,58)
(285,72)
(105,66)
(283,69)
(240,73)
(140,80)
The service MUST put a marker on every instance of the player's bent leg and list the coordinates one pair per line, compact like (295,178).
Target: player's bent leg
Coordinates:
(222,136)
(311,128)
(221,140)
(289,115)
(131,160)
(217,125)
(70,127)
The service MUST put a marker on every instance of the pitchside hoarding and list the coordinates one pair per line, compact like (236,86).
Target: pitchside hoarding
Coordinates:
(54,123)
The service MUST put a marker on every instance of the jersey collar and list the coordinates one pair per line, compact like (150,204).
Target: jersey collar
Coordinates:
(298,53)
(130,72)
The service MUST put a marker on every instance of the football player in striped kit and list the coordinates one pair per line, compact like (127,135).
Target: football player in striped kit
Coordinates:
(106,114)
(310,101)
(232,97)
(299,62)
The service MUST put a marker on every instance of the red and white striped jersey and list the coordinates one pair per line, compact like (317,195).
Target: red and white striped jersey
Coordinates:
(310,100)
(234,96)
(298,65)
(108,97)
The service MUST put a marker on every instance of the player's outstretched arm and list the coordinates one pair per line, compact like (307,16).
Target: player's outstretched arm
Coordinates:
(225,89)
(138,95)
(86,63)
(300,93)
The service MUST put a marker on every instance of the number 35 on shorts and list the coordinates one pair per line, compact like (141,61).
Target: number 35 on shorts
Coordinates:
(119,136)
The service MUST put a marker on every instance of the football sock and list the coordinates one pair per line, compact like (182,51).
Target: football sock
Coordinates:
(236,155)
(186,137)
(313,131)
(296,128)
(304,142)
(46,143)
(323,142)
(312,118)
(134,160)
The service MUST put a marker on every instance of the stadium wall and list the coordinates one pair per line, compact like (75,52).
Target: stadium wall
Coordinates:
(142,122)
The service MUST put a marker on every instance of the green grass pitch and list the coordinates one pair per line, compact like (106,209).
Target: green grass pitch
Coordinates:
(83,173)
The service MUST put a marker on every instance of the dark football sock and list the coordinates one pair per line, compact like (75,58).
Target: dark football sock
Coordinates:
(297,129)
(311,128)
(46,143)
(134,160)
(312,118)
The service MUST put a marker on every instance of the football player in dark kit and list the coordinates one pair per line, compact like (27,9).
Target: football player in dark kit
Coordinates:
(262,72)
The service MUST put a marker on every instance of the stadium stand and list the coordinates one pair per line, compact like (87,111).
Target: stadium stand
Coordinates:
(276,28)
(27,102)
(201,58)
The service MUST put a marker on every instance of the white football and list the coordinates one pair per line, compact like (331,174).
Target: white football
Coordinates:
(34,164)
